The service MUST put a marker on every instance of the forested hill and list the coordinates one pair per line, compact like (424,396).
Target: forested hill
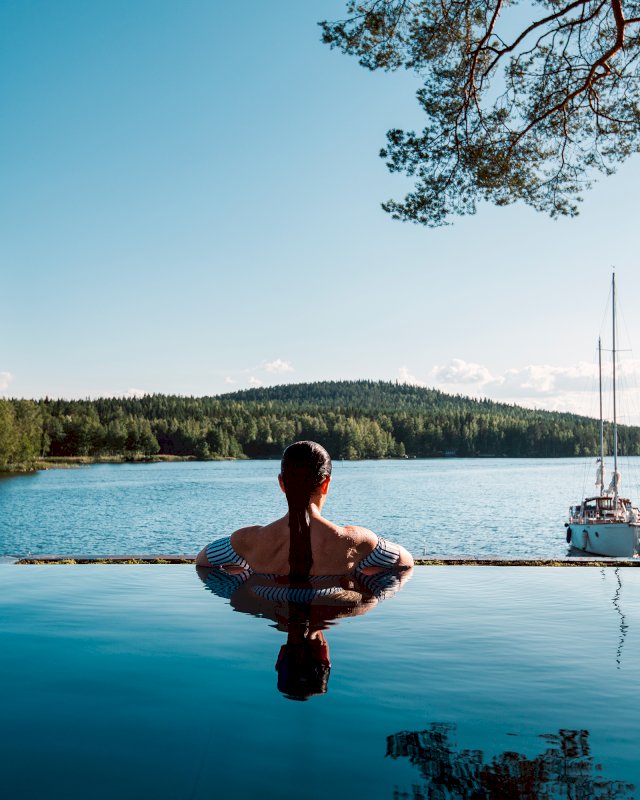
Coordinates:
(369,396)
(353,419)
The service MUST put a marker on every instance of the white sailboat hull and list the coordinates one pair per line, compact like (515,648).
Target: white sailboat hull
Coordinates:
(615,539)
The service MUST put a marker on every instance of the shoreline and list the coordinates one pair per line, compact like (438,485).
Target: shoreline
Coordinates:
(434,561)
(75,462)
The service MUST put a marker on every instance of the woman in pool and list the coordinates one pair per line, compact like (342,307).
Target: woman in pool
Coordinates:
(303,542)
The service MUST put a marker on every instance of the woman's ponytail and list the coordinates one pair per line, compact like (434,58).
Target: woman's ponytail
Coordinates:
(305,467)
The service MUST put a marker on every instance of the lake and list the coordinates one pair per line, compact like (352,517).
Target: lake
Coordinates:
(505,507)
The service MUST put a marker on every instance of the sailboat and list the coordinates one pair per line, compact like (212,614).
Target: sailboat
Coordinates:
(607,524)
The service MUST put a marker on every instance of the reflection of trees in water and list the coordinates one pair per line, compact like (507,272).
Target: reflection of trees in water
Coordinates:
(565,769)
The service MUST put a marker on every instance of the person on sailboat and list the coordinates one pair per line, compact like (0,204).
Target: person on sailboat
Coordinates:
(303,542)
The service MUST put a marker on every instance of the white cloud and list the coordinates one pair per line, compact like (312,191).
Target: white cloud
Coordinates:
(255,382)
(5,380)
(459,371)
(555,388)
(535,379)
(404,376)
(135,393)
(229,380)
(278,366)
(545,380)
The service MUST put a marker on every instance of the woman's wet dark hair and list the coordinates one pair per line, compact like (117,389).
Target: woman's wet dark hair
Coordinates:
(305,466)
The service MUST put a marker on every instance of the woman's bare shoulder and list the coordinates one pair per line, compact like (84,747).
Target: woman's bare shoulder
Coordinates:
(245,537)
(362,538)
(247,532)
(366,541)
(246,540)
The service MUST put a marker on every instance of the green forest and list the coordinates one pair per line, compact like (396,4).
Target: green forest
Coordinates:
(352,419)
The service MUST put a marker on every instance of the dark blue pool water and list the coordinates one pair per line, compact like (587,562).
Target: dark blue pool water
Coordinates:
(139,682)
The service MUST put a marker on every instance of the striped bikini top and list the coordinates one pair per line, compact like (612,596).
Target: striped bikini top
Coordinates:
(384,555)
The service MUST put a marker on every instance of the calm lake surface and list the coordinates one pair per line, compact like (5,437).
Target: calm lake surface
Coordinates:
(470,682)
(508,507)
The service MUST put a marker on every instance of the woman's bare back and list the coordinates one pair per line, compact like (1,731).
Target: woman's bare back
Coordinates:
(335,549)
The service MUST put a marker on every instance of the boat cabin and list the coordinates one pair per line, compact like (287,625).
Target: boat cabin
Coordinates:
(602,507)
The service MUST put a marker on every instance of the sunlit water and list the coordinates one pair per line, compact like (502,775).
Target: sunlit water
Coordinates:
(138,682)
(444,506)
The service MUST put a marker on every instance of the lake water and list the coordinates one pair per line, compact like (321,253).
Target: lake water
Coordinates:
(470,682)
(507,507)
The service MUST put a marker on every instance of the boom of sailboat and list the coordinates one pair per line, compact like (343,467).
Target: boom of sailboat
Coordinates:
(606,524)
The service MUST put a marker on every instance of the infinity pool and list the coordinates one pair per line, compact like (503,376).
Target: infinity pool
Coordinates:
(157,682)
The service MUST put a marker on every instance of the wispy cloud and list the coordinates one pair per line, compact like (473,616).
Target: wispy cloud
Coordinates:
(261,374)
(5,380)
(279,366)
(544,380)
(556,388)
(458,371)
(533,380)
(404,376)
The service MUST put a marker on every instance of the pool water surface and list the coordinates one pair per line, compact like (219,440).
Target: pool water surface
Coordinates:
(158,682)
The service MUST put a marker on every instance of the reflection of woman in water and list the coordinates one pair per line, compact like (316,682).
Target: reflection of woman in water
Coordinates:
(304,610)
(303,543)
(303,664)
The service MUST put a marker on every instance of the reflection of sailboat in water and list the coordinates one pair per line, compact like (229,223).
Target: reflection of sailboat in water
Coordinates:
(565,768)
(607,524)
(303,611)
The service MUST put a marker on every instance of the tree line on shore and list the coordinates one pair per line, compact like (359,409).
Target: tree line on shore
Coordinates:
(353,419)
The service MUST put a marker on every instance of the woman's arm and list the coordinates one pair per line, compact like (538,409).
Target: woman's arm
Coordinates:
(201,558)
(382,554)
(221,553)
(405,559)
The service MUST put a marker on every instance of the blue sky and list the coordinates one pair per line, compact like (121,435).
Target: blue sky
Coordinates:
(190,203)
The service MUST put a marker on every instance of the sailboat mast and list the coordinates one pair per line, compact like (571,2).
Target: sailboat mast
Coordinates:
(615,419)
(601,420)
